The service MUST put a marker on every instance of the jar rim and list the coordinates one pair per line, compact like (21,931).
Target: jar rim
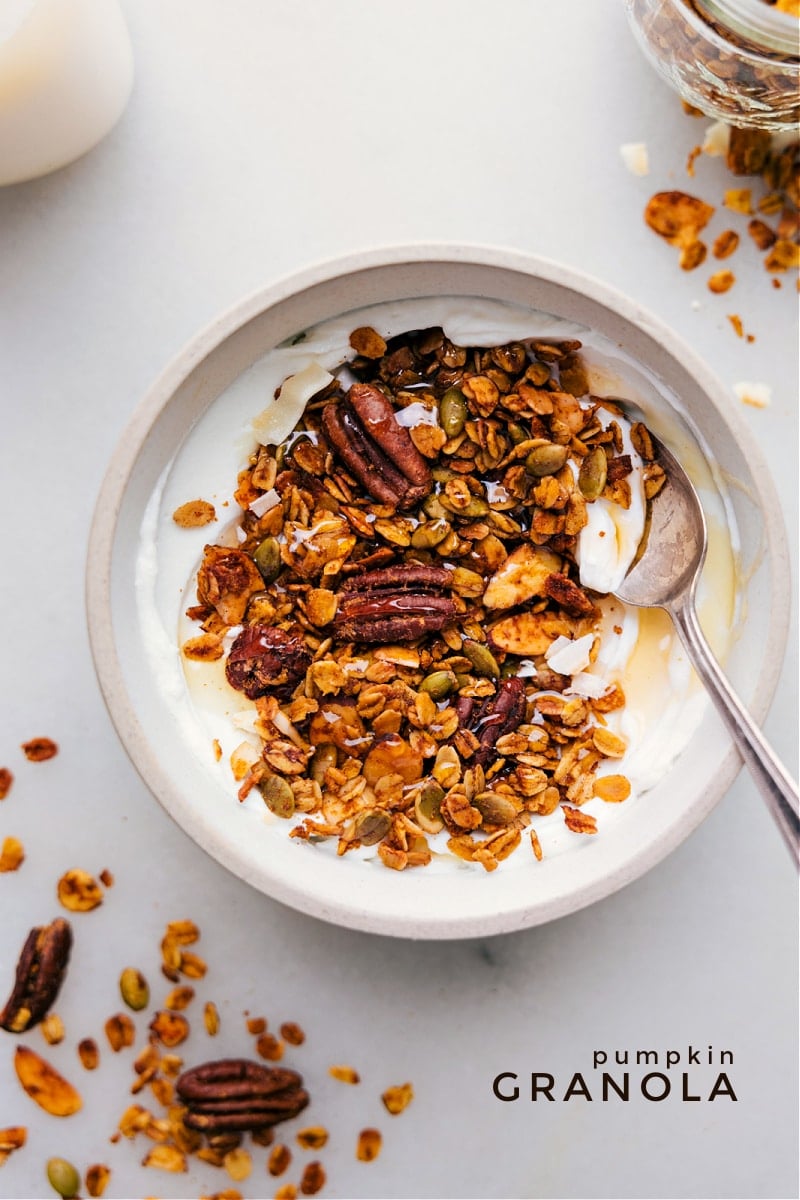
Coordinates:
(762,25)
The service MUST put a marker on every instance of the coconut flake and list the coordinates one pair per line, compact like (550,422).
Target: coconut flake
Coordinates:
(717,139)
(591,687)
(262,504)
(757,395)
(634,156)
(568,657)
(280,416)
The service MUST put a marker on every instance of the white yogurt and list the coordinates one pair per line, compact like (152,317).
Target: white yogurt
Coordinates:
(638,648)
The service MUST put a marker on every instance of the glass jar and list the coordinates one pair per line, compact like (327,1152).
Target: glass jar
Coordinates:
(736,60)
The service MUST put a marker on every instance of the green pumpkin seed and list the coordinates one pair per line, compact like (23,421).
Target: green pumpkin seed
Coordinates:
(453,411)
(371,826)
(439,684)
(325,756)
(427,807)
(426,536)
(463,680)
(495,809)
(267,556)
(593,473)
(546,459)
(63,1177)
(277,795)
(476,506)
(483,661)
(442,474)
(134,989)
(518,433)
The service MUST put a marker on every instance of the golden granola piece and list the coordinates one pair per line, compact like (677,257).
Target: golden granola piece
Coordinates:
(205,648)
(50,1090)
(344,1074)
(721,281)
(6,780)
(166,1158)
(12,854)
(739,200)
(725,244)
(677,217)
(369,1145)
(313,1137)
(396,1099)
(78,891)
(120,1031)
(89,1054)
(96,1179)
(367,342)
(39,749)
(313,1179)
(612,788)
(194,513)
(12,1138)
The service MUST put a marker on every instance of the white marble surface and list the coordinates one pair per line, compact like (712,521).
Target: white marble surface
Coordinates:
(261,137)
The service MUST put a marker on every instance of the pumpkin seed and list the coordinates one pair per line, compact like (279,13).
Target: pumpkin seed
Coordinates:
(476,506)
(426,536)
(546,459)
(324,756)
(277,795)
(427,807)
(482,659)
(134,989)
(439,684)
(593,473)
(518,433)
(495,809)
(453,411)
(267,556)
(63,1177)
(467,583)
(443,474)
(433,509)
(371,826)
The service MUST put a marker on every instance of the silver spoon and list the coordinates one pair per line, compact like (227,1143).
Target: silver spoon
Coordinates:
(664,574)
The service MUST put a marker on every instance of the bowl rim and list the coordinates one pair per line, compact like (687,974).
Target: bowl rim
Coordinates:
(98,589)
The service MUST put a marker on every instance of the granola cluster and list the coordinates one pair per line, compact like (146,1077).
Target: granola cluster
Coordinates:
(404,564)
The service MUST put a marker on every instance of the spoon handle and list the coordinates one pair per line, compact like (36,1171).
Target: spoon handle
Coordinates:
(774,781)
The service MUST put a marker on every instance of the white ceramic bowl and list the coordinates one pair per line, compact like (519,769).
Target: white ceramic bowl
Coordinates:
(423,903)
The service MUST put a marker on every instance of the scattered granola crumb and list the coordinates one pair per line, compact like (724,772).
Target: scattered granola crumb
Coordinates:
(292,1033)
(106,878)
(725,244)
(635,158)
(536,846)
(314,1137)
(96,1179)
(52,1028)
(736,322)
(783,256)
(215,746)
(287,1191)
(78,891)
(12,1138)
(369,1145)
(612,788)
(256,1026)
(692,157)
(396,1099)
(211,1018)
(762,235)
(721,281)
(238,1163)
(757,395)
(39,749)
(89,1054)
(280,1156)
(6,780)
(270,1047)
(313,1179)
(12,854)
(367,342)
(194,513)
(739,200)
(577,821)
(344,1074)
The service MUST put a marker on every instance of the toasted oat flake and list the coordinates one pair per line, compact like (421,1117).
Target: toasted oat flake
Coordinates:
(6,780)
(169,1028)
(367,342)
(211,1018)
(270,1047)
(725,244)
(612,788)
(97,1178)
(287,1191)
(207,647)
(78,891)
(280,1156)
(736,322)
(12,854)
(39,749)
(721,281)
(344,1074)
(256,1026)
(194,514)
(369,1145)
(165,1158)
(89,1054)
(120,1031)
(238,1163)
(314,1137)
(536,845)
(757,395)
(397,1098)
(12,1138)
(783,256)
(312,1179)
(52,1028)
(50,1090)
(292,1033)
(739,200)
(179,998)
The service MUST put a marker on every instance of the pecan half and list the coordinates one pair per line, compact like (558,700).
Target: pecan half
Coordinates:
(40,972)
(396,604)
(365,434)
(263,659)
(234,1095)
(497,716)
(568,596)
